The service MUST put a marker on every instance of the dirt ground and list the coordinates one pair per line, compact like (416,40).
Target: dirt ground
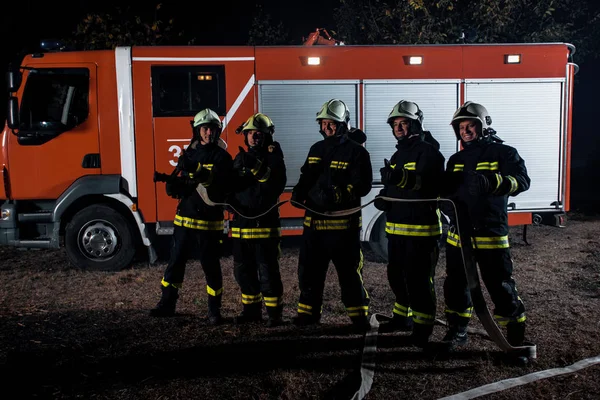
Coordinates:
(67,333)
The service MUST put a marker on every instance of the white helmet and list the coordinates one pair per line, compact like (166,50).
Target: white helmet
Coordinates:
(406,109)
(207,117)
(410,110)
(335,110)
(475,111)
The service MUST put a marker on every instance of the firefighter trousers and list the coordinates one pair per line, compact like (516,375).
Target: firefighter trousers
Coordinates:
(256,268)
(410,272)
(342,247)
(495,267)
(208,246)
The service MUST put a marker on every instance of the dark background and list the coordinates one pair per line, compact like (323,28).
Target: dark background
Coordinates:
(25,23)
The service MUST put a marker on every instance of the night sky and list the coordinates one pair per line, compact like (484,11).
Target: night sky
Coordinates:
(25,23)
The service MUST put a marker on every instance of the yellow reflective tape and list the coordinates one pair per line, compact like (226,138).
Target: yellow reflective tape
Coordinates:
(453,239)
(314,160)
(213,292)
(491,242)
(357,311)
(251,299)
(320,224)
(266,176)
(411,166)
(255,233)
(252,296)
(424,319)
(199,224)
(304,309)
(272,301)
(413,230)
(459,167)
(401,310)
(499,181)
(167,284)
(468,313)
(514,185)
(487,166)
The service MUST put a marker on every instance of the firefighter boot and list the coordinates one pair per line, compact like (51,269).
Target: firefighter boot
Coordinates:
(420,335)
(166,305)
(360,324)
(251,313)
(274,316)
(456,336)
(305,319)
(515,333)
(398,323)
(214,310)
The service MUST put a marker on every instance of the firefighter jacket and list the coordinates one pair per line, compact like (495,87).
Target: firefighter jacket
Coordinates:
(340,168)
(255,191)
(192,211)
(487,212)
(423,168)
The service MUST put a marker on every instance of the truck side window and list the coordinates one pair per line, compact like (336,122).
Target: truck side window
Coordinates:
(55,98)
(183,91)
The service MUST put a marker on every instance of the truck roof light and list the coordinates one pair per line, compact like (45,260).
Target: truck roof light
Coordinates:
(413,60)
(313,60)
(512,59)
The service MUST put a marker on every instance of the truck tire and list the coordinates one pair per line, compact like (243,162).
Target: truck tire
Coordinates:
(378,240)
(99,238)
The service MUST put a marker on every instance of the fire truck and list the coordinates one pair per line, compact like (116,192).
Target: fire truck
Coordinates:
(86,130)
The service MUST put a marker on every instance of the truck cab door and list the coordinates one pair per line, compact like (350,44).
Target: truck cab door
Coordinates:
(57,137)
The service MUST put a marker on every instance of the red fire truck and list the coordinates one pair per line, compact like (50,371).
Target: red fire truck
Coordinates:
(87,129)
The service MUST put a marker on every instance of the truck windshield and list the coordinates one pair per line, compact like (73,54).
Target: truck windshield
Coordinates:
(55,99)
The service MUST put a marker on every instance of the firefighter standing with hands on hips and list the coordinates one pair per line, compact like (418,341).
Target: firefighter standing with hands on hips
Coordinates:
(336,174)
(479,179)
(413,229)
(259,180)
(198,225)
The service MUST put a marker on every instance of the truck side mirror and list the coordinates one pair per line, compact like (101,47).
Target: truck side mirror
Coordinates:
(13,80)
(12,114)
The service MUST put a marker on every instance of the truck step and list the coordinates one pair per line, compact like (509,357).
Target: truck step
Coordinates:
(33,243)
(38,216)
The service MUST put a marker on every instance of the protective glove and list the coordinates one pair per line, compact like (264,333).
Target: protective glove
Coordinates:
(187,163)
(382,205)
(160,177)
(238,163)
(249,159)
(391,176)
(201,175)
(174,189)
(325,197)
(478,184)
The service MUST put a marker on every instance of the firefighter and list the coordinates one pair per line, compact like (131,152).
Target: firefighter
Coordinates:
(336,174)
(197,225)
(413,229)
(479,179)
(260,177)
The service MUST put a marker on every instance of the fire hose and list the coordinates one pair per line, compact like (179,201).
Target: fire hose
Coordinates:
(471,271)
(524,352)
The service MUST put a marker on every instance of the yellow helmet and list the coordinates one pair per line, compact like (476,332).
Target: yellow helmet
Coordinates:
(258,122)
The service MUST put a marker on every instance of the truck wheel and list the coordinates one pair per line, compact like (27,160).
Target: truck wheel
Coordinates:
(99,238)
(378,240)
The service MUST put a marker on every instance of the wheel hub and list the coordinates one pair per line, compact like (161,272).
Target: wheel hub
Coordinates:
(98,240)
